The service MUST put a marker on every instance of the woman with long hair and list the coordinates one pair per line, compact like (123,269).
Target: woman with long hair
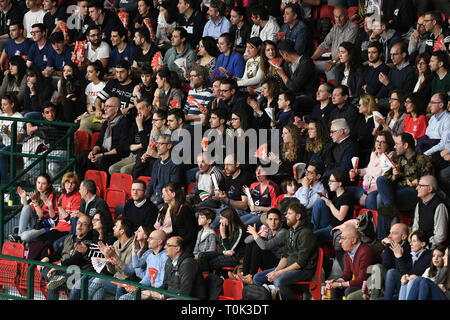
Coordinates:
(329,213)
(415,121)
(37,91)
(394,120)
(39,216)
(166,23)
(240,28)
(139,253)
(424,75)
(90,120)
(176,217)
(231,243)
(366,195)
(168,89)
(15,80)
(71,100)
(318,137)
(348,72)
(269,51)
(253,75)
(208,53)
(266,106)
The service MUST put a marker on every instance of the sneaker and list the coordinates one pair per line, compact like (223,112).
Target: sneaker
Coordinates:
(56,282)
(14,238)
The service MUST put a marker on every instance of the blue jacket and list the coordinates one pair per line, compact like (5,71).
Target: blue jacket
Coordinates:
(234,64)
(163,172)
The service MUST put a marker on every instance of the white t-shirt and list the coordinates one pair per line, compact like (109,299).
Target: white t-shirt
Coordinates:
(92,90)
(31,18)
(266,33)
(102,52)
(20,127)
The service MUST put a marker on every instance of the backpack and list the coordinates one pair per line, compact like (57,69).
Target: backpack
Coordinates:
(255,292)
(366,227)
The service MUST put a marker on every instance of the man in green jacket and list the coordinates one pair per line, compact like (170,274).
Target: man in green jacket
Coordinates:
(299,260)
(179,50)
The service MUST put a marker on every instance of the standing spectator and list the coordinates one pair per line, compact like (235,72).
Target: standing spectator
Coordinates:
(358,257)
(79,21)
(105,20)
(295,29)
(299,258)
(431,214)
(217,24)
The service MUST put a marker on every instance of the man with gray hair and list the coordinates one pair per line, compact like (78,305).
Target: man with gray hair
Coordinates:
(337,155)
(431,214)
(163,171)
(218,23)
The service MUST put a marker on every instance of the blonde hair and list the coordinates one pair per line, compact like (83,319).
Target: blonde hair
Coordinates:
(369,101)
(289,149)
(74,177)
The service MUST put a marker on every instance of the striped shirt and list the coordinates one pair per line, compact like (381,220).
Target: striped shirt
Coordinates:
(203,97)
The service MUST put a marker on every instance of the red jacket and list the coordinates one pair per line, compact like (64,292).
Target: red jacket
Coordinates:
(364,257)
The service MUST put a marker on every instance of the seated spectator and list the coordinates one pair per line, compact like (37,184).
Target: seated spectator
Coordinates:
(394,119)
(205,185)
(179,49)
(71,101)
(362,40)
(17,44)
(145,89)
(145,48)
(311,185)
(396,186)
(318,137)
(398,238)
(207,53)
(440,66)
(120,253)
(270,51)
(139,209)
(417,39)
(415,121)
(431,214)
(264,26)
(168,89)
(438,126)
(358,257)
(89,121)
(328,213)
(139,253)
(366,194)
(91,203)
(295,29)
(343,30)
(40,49)
(324,104)
(299,258)
(191,19)
(264,194)
(407,264)
(424,76)
(16,79)
(349,71)
(240,28)
(68,202)
(289,187)
(383,33)
(34,14)
(156,258)
(145,10)
(200,92)
(206,237)
(370,82)
(337,154)
(97,48)
(81,21)
(365,126)
(216,134)
(231,61)
(232,100)
(434,27)
(285,114)
(9,109)
(36,218)
(163,171)
(231,243)
(263,249)
(441,165)
(122,50)
(267,102)
(218,23)
(232,194)
(344,108)
(137,137)
(59,56)
(298,74)
(253,75)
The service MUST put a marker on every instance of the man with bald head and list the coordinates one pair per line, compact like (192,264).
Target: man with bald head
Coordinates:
(156,259)
(431,214)
(358,257)
(112,144)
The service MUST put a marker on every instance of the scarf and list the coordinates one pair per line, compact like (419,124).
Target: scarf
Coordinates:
(107,139)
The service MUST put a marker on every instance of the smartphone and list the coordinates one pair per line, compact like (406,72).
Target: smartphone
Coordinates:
(321,194)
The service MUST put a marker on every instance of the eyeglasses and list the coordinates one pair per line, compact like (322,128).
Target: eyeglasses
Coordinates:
(81,223)
(95,219)
(419,24)
(435,102)
(380,142)
(333,131)
(159,143)
(423,185)
(35,32)
(309,172)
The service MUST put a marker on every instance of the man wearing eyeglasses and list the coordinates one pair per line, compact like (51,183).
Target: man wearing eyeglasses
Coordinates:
(41,49)
(431,214)
(417,39)
(433,25)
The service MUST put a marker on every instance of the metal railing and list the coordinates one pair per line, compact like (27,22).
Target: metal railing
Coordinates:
(26,278)
(40,160)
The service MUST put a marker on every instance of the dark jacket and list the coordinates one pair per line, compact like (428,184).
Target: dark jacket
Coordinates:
(338,156)
(95,206)
(303,80)
(388,259)
(68,256)
(185,225)
(406,266)
(301,246)
(119,137)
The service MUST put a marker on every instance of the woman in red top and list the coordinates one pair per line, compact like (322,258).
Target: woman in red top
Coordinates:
(39,216)
(415,121)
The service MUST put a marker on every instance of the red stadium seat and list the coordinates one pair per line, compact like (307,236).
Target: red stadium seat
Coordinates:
(232,290)
(94,139)
(81,141)
(114,197)
(145,179)
(315,285)
(122,181)
(100,178)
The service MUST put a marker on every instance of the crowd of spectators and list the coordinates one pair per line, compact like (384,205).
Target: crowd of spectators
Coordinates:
(265,128)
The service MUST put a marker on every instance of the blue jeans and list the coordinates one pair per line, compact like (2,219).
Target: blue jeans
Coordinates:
(321,217)
(27,219)
(251,219)
(371,199)
(444,180)
(284,281)
(425,289)
(392,285)
(99,287)
(405,289)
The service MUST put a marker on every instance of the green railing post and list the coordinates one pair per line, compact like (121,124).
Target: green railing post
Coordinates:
(30,281)
(84,288)
(13,145)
